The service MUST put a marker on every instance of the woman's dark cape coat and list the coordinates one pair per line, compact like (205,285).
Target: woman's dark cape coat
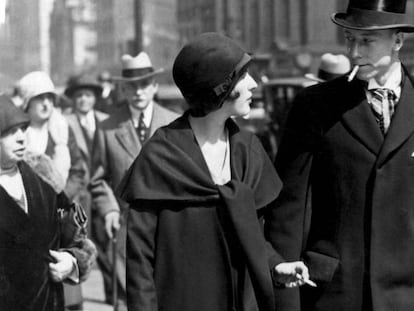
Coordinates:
(25,241)
(193,245)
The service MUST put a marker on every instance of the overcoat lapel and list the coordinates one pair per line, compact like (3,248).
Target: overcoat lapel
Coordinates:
(25,227)
(126,134)
(402,125)
(79,136)
(158,119)
(360,120)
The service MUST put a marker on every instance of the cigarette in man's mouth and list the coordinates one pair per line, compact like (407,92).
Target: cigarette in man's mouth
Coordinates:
(353,73)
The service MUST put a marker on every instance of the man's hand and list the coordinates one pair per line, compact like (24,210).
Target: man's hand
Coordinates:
(111,223)
(63,266)
(291,274)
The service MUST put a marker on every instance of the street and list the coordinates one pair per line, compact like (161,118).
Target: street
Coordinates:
(93,293)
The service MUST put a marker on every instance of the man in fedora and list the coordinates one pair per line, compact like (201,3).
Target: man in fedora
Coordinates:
(331,66)
(121,138)
(347,163)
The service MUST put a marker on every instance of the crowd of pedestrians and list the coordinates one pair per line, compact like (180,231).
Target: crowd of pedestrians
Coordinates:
(187,211)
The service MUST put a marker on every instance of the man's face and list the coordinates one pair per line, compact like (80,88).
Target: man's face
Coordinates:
(374,51)
(84,99)
(12,146)
(40,108)
(140,93)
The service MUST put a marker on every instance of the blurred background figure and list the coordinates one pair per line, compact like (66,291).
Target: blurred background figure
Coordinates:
(50,140)
(107,99)
(84,121)
(331,66)
(121,138)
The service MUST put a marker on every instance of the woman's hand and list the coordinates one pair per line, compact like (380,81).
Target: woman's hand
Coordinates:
(291,274)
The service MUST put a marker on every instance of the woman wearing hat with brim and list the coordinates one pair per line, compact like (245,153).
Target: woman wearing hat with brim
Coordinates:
(42,233)
(346,163)
(198,193)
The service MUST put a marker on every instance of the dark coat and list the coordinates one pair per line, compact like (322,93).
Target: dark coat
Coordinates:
(193,245)
(25,241)
(359,186)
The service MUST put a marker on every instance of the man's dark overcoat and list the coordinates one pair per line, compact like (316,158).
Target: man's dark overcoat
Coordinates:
(25,241)
(193,245)
(359,187)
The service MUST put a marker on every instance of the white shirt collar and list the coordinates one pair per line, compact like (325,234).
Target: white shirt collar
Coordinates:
(393,82)
(135,113)
(88,120)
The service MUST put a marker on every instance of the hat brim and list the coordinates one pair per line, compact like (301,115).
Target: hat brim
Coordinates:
(97,89)
(313,77)
(138,78)
(343,20)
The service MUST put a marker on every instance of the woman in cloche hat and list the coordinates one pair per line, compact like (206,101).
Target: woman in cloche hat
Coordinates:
(198,193)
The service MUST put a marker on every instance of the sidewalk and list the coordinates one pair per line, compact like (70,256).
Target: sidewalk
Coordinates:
(93,293)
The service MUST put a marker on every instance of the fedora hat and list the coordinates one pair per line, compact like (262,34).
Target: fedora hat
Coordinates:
(374,15)
(83,82)
(137,68)
(331,67)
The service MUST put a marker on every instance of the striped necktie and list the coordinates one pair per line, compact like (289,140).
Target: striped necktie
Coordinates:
(383,105)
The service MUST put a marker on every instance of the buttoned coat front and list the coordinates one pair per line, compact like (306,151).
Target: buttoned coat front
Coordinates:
(348,200)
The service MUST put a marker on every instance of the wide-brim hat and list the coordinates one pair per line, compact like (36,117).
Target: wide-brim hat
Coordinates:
(331,67)
(83,82)
(374,15)
(137,68)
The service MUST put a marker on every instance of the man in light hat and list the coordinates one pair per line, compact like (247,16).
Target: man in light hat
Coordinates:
(331,66)
(121,138)
(346,161)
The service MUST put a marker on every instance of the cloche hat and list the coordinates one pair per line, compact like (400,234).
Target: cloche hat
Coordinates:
(10,115)
(374,15)
(209,66)
(330,67)
(137,68)
(34,84)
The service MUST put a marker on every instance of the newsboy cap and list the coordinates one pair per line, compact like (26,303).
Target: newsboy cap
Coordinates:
(10,115)
(374,15)
(208,67)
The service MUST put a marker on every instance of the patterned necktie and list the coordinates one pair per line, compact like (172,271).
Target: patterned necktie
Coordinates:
(383,106)
(142,129)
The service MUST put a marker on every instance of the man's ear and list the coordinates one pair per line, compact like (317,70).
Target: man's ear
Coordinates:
(399,41)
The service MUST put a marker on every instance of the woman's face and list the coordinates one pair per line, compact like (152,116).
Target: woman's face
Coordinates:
(240,106)
(12,146)
(40,108)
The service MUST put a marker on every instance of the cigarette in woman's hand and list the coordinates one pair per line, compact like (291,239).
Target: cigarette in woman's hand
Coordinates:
(307,281)
(353,73)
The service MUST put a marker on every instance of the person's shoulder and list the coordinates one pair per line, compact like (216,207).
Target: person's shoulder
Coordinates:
(327,88)
(101,116)
(165,111)
(115,119)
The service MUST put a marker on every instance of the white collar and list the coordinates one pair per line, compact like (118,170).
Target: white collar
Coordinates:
(135,113)
(393,82)
(88,120)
